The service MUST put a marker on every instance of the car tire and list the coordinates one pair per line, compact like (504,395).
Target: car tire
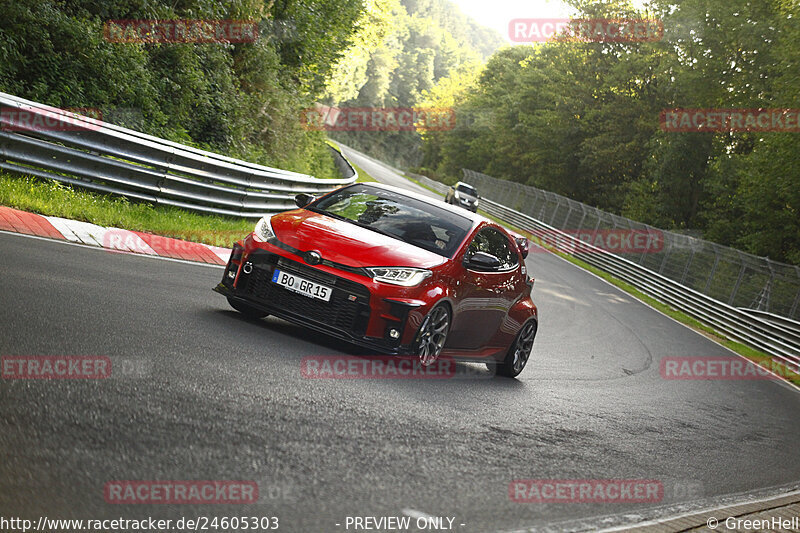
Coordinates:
(519,352)
(432,335)
(246,310)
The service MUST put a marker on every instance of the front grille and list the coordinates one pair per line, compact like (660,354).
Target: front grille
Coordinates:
(347,310)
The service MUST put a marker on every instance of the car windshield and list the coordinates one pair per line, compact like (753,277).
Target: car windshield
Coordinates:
(466,189)
(416,222)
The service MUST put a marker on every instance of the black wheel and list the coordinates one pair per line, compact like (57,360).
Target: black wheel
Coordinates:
(432,335)
(246,310)
(518,352)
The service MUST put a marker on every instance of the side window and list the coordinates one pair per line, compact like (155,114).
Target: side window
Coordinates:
(491,241)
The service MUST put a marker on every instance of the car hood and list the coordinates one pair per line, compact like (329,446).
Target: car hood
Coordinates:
(347,243)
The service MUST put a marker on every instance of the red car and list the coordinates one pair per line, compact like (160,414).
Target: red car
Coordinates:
(394,271)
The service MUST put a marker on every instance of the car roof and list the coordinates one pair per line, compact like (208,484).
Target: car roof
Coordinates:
(474,217)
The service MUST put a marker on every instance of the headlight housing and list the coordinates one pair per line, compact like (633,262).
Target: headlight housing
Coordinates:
(403,276)
(263,230)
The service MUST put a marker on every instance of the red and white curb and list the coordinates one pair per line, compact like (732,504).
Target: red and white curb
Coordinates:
(117,239)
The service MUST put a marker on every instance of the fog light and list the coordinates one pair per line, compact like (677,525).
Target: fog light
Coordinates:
(393,333)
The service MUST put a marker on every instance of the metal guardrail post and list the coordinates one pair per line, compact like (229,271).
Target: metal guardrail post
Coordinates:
(795,305)
(713,271)
(738,283)
(664,261)
(686,268)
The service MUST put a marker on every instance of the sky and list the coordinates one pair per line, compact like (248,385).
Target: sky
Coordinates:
(496,14)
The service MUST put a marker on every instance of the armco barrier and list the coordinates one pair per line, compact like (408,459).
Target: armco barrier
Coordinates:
(106,158)
(721,272)
(777,339)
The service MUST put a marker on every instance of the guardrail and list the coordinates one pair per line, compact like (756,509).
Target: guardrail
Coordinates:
(103,157)
(782,321)
(779,340)
(721,272)
(106,158)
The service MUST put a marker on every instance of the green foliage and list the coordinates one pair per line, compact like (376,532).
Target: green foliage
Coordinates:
(582,119)
(409,47)
(241,99)
(56,199)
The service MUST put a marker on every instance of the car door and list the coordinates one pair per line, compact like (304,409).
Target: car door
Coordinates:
(485,297)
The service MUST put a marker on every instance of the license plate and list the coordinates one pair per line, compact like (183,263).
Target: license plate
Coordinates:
(302,285)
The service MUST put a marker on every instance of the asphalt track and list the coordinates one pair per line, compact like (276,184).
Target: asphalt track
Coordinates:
(200,393)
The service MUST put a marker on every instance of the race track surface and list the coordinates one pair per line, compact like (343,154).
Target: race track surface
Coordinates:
(200,393)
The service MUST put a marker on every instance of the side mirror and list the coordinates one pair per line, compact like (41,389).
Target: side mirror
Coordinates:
(522,243)
(483,262)
(303,199)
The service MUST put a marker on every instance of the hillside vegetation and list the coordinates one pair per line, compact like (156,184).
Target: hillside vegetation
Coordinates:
(583,119)
(241,99)
(406,49)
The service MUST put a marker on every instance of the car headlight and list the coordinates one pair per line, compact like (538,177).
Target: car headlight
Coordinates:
(458,196)
(263,230)
(403,276)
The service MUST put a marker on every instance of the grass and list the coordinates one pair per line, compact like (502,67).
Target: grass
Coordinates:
(754,355)
(49,197)
(435,191)
(363,177)
(56,199)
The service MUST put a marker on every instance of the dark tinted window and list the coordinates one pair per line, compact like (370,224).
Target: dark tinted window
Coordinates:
(493,242)
(467,189)
(428,226)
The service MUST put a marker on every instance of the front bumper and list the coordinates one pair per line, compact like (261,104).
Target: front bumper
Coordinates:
(466,204)
(346,315)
